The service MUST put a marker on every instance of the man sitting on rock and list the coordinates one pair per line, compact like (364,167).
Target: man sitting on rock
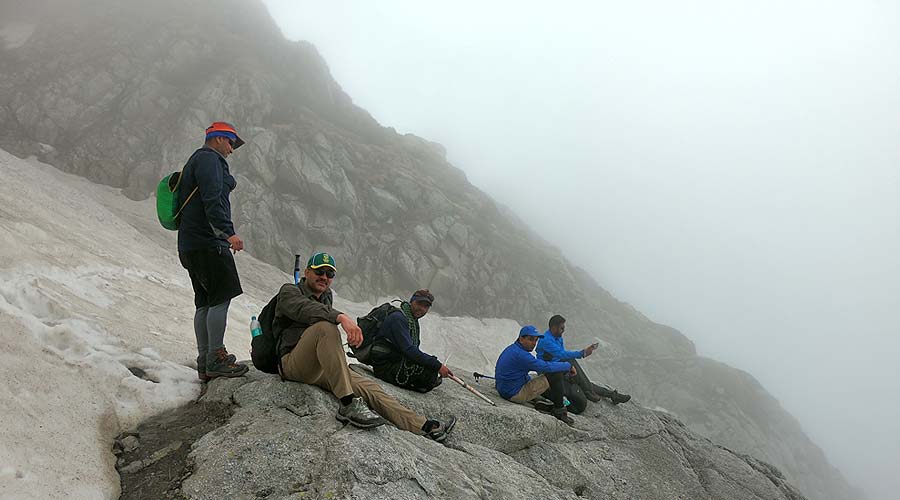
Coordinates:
(578,387)
(396,357)
(514,383)
(310,348)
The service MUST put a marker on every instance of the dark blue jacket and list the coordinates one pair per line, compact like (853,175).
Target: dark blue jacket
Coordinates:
(556,348)
(513,365)
(395,329)
(206,219)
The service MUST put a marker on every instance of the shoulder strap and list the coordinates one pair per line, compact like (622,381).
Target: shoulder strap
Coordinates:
(186,201)
(180,178)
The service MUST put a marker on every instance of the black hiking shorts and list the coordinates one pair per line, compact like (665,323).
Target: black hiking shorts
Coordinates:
(213,275)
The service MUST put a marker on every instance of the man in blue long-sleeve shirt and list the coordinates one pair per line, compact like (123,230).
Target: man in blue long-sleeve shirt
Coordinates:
(396,357)
(515,384)
(579,388)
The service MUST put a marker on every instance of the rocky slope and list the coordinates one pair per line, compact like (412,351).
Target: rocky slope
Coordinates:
(281,440)
(118,91)
(729,406)
(95,318)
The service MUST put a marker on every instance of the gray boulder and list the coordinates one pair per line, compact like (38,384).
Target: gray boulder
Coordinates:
(282,441)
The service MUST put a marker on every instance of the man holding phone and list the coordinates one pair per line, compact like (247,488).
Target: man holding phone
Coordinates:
(578,387)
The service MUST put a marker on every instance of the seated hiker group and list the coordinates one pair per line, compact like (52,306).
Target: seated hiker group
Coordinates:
(561,379)
(300,339)
(309,349)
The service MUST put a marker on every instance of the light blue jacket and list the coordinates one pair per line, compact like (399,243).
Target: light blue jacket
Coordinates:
(556,348)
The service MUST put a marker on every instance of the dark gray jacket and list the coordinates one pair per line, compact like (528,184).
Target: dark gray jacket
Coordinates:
(298,309)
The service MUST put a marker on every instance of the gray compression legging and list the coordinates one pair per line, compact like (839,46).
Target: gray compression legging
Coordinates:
(209,327)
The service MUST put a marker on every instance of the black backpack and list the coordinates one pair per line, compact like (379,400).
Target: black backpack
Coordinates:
(370,324)
(264,348)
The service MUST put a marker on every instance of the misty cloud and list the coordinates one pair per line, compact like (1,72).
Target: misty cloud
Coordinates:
(729,169)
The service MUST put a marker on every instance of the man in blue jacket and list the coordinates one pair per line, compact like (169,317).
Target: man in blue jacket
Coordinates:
(396,357)
(205,235)
(515,384)
(578,387)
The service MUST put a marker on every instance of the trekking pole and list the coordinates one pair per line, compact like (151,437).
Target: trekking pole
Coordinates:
(471,389)
(481,375)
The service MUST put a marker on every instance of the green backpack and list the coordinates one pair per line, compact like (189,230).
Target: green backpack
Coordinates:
(167,209)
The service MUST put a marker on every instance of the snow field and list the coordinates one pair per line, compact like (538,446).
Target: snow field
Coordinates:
(91,294)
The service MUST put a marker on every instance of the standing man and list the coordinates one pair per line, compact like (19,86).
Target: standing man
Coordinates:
(310,348)
(206,240)
(396,357)
(514,383)
(552,348)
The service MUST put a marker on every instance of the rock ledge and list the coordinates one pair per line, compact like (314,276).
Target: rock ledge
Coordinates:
(259,437)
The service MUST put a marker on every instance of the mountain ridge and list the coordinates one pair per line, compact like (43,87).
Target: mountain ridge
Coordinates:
(121,107)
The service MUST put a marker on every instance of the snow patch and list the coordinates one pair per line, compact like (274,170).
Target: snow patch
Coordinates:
(15,35)
(80,342)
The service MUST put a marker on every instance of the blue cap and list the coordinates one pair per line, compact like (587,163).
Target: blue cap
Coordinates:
(530,331)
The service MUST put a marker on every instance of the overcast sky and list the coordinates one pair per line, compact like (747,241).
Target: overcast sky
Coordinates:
(729,168)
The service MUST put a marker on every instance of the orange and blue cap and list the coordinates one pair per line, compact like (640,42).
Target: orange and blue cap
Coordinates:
(224,129)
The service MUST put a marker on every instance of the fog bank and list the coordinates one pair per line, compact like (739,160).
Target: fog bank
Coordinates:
(730,170)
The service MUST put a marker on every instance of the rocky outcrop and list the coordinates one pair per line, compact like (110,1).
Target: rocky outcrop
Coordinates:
(118,91)
(283,441)
(728,406)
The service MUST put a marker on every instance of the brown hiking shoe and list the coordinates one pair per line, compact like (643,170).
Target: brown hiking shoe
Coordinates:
(201,367)
(221,364)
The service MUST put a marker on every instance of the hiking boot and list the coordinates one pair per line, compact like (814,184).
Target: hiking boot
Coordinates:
(619,398)
(593,396)
(542,405)
(615,396)
(201,367)
(359,415)
(562,414)
(221,364)
(438,431)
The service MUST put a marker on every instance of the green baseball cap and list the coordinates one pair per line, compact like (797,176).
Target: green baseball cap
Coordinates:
(321,259)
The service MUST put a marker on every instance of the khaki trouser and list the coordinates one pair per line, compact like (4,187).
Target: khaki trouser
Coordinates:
(534,388)
(318,359)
